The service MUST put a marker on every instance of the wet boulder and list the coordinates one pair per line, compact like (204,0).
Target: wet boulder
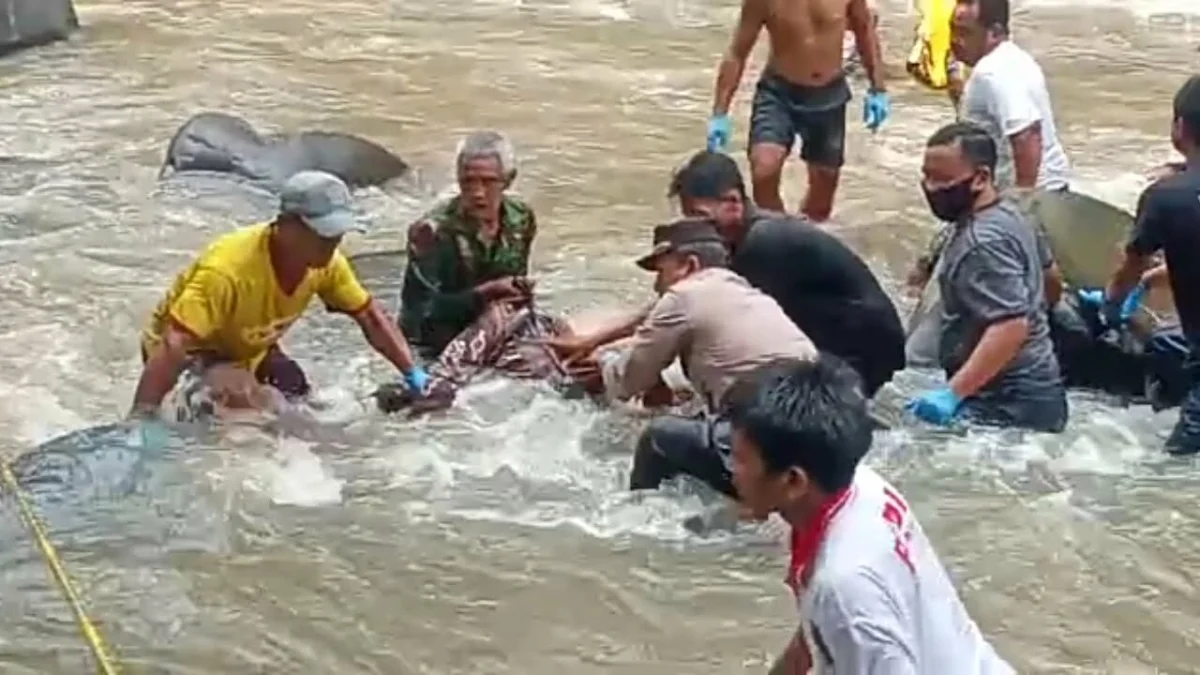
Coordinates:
(28,23)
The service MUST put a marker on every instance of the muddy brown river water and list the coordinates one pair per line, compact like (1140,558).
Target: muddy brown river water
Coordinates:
(499,539)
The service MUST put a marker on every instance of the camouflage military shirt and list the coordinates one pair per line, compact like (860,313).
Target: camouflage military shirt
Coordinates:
(446,261)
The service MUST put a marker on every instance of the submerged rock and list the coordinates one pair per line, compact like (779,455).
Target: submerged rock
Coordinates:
(28,23)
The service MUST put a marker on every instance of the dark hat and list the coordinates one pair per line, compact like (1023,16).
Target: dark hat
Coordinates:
(679,235)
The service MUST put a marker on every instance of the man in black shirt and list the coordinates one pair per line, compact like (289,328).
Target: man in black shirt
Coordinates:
(1168,220)
(822,285)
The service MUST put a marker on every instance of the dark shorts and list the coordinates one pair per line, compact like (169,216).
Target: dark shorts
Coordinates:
(784,110)
(693,446)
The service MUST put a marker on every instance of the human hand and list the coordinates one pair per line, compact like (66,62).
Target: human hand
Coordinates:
(936,407)
(1159,274)
(1113,314)
(417,380)
(586,373)
(877,107)
(660,395)
(524,286)
(1091,296)
(147,430)
(500,289)
(1133,301)
(720,128)
(571,348)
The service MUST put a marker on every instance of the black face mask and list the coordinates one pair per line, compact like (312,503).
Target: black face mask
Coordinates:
(953,202)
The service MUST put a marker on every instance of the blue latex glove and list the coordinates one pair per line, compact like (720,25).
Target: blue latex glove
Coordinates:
(936,407)
(1091,296)
(1133,302)
(876,109)
(719,129)
(1095,297)
(417,379)
(149,432)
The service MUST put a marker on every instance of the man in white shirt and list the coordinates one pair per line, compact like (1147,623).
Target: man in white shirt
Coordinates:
(1006,94)
(873,597)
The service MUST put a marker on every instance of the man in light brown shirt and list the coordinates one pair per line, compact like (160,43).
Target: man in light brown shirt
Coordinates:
(720,328)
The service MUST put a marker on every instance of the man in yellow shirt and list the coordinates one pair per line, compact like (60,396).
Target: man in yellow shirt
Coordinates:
(222,318)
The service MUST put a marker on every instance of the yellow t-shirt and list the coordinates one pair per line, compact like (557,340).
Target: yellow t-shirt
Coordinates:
(230,300)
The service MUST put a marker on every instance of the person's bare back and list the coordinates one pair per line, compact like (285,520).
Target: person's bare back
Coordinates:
(806,39)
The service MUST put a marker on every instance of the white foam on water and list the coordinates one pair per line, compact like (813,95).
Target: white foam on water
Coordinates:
(39,413)
(291,475)
(613,11)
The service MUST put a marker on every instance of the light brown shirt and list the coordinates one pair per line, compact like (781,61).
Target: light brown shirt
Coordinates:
(718,325)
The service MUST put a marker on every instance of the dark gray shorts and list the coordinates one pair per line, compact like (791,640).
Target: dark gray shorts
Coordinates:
(784,110)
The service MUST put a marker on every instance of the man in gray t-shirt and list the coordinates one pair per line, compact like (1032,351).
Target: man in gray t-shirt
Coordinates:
(995,342)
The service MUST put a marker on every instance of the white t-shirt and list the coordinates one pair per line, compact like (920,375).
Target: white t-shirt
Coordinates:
(1006,94)
(877,601)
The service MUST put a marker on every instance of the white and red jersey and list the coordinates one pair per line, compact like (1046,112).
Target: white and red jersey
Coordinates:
(873,597)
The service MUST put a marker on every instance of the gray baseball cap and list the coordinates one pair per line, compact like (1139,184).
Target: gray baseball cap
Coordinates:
(322,201)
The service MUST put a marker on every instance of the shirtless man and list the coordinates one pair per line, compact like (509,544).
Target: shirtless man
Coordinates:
(802,92)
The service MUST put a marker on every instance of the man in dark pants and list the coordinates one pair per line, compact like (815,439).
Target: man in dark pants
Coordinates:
(995,339)
(1168,220)
(719,327)
(802,92)
(822,285)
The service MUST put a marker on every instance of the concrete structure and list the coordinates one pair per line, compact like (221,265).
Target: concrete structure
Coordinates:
(28,23)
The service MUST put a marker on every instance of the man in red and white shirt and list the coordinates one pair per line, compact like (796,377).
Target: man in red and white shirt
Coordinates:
(873,598)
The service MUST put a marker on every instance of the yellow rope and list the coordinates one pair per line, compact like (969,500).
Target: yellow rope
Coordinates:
(105,664)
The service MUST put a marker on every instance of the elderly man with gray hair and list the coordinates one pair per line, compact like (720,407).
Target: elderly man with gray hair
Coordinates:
(470,251)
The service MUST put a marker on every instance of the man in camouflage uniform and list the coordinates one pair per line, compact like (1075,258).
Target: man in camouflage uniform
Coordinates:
(469,252)
(466,298)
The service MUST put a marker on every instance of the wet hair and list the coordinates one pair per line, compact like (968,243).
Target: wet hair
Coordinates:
(810,415)
(706,175)
(993,15)
(709,254)
(487,145)
(976,144)
(1187,107)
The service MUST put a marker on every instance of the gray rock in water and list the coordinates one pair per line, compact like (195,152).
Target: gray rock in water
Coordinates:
(28,23)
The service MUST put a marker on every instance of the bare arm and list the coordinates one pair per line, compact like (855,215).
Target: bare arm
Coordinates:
(795,659)
(955,83)
(1052,285)
(161,371)
(1027,155)
(1127,275)
(862,23)
(383,335)
(655,344)
(1150,231)
(729,72)
(618,330)
(999,344)
(1156,276)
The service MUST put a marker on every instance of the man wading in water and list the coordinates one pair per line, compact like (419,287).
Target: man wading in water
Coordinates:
(223,317)
(871,593)
(802,92)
